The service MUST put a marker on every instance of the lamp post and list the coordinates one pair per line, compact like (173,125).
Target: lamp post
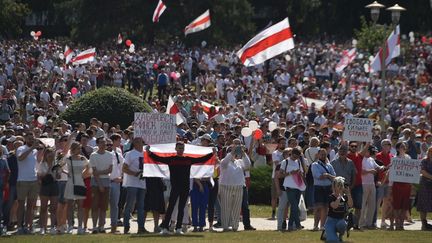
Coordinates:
(396,10)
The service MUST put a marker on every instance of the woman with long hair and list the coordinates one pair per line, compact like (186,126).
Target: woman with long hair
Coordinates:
(78,168)
(49,191)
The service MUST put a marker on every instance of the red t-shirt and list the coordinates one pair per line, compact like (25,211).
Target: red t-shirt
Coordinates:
(357,159)
(385,159)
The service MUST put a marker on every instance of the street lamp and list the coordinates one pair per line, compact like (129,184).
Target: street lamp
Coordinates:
(396,12)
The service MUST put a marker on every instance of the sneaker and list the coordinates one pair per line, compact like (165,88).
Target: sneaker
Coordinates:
(119,223)
(80,231)
(217,225)
(284,225)
(156,229)
(249,228)
(164,231)
(384,225)
(201,229)
(53,230)
(184,228)
(102,230)
(315,228)
(273,217)
(426,227)
(391,228)
(126,230)
(195,229)
(142,231)
(179,232)
(69,229)
(211,229)
(95,231)
(61,229)
(42,232)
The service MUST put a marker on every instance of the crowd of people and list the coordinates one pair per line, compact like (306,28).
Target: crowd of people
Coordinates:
(92,166)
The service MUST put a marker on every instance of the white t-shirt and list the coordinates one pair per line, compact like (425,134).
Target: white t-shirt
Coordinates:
(368,164)
(231,172)
(289,180)
(27,168)
(101,162)
(117,164)
(132,159)
(276,158)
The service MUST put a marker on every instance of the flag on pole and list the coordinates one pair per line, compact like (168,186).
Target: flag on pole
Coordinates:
(392,50)
(153,168)
(119,39)
(160,8)
(200,23)
(68,53)
(206,106)
(347,57)
(268,43)
(173,109)
(84,57)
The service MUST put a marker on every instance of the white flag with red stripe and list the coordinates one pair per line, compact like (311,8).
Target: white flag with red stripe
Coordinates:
(119,39)
(173,109)
(200,23)
(392,50)
(268,43)
(206,106)
(204,167)
(160,8)
(68,53)
(347,57)
(85,57)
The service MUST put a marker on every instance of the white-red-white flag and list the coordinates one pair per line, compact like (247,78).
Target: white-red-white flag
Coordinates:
(173,109)
(206,106)
(347,57)
(268,43)
(119,39)
(201,158)
(160,8)
(84,57)
(68,53)
(200,23)
(392,50)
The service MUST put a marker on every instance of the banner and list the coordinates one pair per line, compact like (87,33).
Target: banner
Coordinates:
(405,170)
(155,128)
(358,129)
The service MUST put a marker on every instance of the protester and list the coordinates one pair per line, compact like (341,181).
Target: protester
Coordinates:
(116,177)
(424,200)
(280,190)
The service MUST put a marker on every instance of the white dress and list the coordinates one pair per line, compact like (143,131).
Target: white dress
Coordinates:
(78,167)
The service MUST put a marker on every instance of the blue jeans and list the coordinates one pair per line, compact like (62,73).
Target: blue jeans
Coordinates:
(114,199)
(334,226)
(245,208)
(134,194)
(293,199)
(199,201)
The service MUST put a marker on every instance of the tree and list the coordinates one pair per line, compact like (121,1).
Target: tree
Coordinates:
(12,14)
(371,36)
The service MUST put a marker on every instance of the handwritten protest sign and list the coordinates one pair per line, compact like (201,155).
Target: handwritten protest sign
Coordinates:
(405,170)
(358,129)
(155,128)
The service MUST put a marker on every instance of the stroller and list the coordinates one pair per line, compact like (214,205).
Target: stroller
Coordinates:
(349,218)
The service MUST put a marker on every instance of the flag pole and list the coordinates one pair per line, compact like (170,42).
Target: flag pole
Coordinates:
(383,82)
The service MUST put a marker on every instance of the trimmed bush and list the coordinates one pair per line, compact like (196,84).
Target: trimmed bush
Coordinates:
(260,188)
(111,105)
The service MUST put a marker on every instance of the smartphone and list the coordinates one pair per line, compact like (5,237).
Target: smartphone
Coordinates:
(238,151)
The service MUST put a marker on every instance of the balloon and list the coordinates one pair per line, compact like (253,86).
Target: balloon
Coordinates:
(412,39)
(128,42)
(354,42)
(39,33)
(203,43)
(424,39)
(131,50)
(178,75)
(35,38)
(288,57)
(366,67)
(246,132)
(360,56)
(253,125)
(272,126)
(173,75)
(74,90)
(42,120)
(411,34)
(132,46)
(430,40)
(155,66)
(258,134)
(61,56)
(32,33)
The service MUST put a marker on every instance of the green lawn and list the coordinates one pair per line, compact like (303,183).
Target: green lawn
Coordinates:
(261,236)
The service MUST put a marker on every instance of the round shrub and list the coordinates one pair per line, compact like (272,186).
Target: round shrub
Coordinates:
(111,105)
(260,188)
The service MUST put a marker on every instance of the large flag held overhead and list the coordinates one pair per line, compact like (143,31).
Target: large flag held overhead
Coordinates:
(347,57)
(84,57)
(68,53)
(268,43)
(200,23)
(154,168)
(160,8)
(392,50)
(173,109)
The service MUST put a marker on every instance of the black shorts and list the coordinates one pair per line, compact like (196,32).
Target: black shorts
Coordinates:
(50,190)
(321,195)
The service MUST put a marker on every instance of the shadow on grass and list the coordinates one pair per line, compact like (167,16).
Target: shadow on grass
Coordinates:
(167,236)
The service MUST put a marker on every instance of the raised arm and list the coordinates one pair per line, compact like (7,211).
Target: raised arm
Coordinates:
(201,159)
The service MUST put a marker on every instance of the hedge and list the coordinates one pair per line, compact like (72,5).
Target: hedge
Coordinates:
(260,188)
(111,105)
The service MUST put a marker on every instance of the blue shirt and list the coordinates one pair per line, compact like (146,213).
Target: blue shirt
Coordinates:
(4,169)
(162,79)
(318,170)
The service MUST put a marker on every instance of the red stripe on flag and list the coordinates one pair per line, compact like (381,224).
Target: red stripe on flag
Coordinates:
(67,52)
(85,56)
(174,110)
(266,43)
(202,21)
(158,12)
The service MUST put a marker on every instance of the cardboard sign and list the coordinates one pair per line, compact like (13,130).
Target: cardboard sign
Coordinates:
(155,128)
(405,170)
(358,129)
